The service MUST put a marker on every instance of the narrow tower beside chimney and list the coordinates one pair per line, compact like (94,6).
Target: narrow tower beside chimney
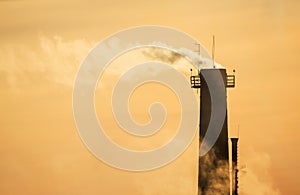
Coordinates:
(234,143)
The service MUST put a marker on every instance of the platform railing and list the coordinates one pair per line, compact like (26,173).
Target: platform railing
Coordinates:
(196,81)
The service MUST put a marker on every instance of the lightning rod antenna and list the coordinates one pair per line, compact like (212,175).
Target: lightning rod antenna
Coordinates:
(213,51)
(198,51)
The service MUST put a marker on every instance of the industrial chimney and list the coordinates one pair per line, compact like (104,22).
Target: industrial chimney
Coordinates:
(213,175)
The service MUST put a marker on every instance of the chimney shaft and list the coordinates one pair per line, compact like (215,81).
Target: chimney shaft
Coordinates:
(213,166)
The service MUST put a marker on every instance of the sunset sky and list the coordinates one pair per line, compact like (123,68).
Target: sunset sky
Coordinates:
(42,44)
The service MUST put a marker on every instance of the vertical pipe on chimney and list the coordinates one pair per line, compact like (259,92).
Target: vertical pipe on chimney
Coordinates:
(234,142)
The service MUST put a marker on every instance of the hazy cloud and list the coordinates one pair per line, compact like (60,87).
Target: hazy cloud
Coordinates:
(55,60)
(255,176)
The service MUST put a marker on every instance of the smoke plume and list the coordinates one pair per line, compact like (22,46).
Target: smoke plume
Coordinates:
(166,56)
(170,55)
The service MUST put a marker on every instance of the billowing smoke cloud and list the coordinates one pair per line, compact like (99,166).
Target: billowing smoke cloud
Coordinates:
(57,60)
(253,177)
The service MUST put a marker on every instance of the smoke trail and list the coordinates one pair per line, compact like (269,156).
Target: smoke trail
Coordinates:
(166,56)
(171,55)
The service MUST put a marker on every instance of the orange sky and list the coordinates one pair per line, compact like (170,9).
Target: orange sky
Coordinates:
(43,42)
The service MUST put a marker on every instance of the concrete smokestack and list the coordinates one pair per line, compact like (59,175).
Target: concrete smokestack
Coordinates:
(213,177)
(218,156)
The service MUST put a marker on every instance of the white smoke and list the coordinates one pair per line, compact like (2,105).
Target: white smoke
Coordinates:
(199,61)
(57,60)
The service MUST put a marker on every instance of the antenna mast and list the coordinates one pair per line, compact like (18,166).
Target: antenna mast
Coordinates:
(213,51)
(198,49)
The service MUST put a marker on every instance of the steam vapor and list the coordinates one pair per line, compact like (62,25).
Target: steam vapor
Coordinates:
(168,54)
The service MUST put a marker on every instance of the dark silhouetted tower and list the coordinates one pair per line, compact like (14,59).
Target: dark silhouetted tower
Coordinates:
(213,177)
